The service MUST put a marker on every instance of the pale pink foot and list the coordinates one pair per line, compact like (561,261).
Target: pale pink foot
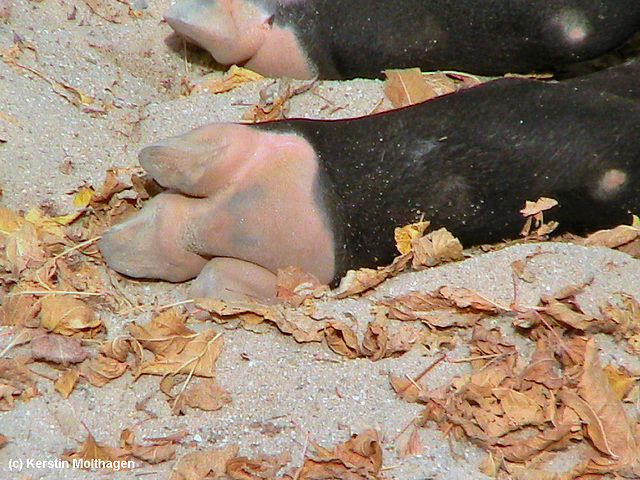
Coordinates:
(238,193)
(242,33)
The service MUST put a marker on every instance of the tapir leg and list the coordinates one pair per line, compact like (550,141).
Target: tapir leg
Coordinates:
(240,193)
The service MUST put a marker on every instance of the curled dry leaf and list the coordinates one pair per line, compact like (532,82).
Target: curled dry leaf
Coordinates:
(156,453)
(197,356)
(90,450)
(358,458)
(539,206)
(211,463)
(600,408)
(294,286)
(465,298)
(66,381)
(410,444)
(100,370)
(19,310)
(404,236)
(436,248)
(68,316)
(621,381)
(289,320)
(16,382)
(359,281)
(58,349)
(342,339)
(117,348)
(615,237)
(233,78)
(243,468)
(407,87)
(205,395)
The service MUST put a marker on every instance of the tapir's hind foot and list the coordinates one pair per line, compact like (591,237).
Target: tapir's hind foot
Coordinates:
(238,193)
(234,279)
(242,33)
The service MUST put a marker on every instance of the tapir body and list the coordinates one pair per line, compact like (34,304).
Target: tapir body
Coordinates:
(326,195)
(361,38)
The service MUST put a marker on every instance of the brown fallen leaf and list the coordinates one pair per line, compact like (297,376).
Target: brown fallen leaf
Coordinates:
(205,394)
(196,357)
(436,248)
(341,338)
(155,453)
(404,236)
(211,463)
(597,404)
(359,281)
(541,205)
(273,103)
(358,458)
(90,452)
(410,444)
(66,315)
(407,87)
(234,77)
(615,237)
(101,369)
(16,382)
(533,212)
(294,286)
(58,349)
(621,381)
(289,320)
(465,298)
(262,467)
(19,310)
(66,382)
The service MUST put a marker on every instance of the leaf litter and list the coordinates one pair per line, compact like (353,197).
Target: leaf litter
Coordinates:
(520,410)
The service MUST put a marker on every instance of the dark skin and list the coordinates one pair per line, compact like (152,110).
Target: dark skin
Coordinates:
(358,38)
(326,195)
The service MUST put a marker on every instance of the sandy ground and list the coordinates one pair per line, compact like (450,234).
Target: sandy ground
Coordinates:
(281,390)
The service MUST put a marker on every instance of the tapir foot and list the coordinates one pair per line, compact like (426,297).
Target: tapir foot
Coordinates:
(238,193)
(239,32)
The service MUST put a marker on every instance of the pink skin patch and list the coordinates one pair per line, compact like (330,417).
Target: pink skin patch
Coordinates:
(242,194)
(239,32)
(611,183)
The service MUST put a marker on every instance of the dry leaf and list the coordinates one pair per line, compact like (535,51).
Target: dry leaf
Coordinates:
(616,237)
(359,281)
(411,444)
(263,467)
(68,316)
(205,395)
(358,458)
(211,463)
(16,382)
(407,87)
(156,453)
(100,370)
(233,78)
(66,381)
(539,206)
(435,248)
(197,356)
(58,349)
(341,338)
(404,236)
(90,451)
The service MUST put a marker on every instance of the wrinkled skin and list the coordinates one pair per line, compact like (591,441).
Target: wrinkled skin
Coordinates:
(359,38)
(326,195)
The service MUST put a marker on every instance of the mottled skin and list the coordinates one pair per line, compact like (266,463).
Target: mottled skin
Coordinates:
(361,38)
(326,195)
